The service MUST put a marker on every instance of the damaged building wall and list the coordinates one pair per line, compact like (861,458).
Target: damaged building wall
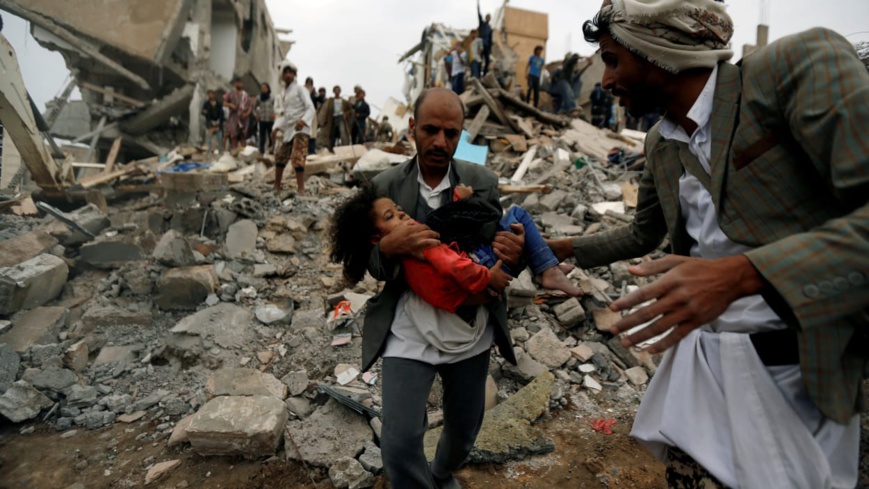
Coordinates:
(523,30)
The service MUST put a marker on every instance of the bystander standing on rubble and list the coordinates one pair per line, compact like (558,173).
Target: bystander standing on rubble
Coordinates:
(385,131)
(762,306)
(599,112)
(212,109)
(484,29)
(476,54)
(240,105)
(361,111)
(318,99)
(457,77)
(264,110)
(532,74)
(410,364)
(335,120)
(295,113)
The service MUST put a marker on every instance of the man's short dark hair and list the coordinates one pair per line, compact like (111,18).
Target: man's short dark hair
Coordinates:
(209,91)
(336,86)
(309,80)
(421,99)
(290,69)
(593,29)
(538,48)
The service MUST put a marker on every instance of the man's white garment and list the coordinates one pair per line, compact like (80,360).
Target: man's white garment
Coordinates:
(415,319)
(458,62)
(750,426)
(292,104)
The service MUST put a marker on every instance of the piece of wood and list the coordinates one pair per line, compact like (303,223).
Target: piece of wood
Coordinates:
(98,166)
(25,208)
(494,105)
(113,155)
(545,117)
(478,121)
(103,178)
(518,143)
(506,189)
(630,194)
(120,96)
(97,198)
(473,100)
(96,138)
(524,125)
(526,162)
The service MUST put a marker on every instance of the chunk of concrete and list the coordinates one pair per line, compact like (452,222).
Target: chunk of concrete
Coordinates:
(546,348)
(569,313)
(88,217)
(39,326)
(282,243)
(491,393)
(21,402)
(174,251)
(179,433)
(241,238)
(583,353)
(112,252)
(101,316)
(372,458)
(507,432)
(296,382)
(243,382)
(637,376)
(332,432)
(53,379)
(10,362)
(31,283)
(348,473)
(552,200)
(124,355)
(227,325)
(159,470)
(526,368)
(76,356)
(274,313)
(185,288)
(24,247)
(247,426)
(605,318)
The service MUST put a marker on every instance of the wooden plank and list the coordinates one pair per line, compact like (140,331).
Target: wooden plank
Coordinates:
(518,143)
(525,126)
(103,178)
(98,166)
(546,117)
(97,198)
(119,96)
(494,105)
(506,189)
(478,121)
(473,100)
(526,162)
(113,155)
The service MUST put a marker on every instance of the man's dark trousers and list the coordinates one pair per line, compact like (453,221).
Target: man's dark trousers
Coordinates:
(406,387)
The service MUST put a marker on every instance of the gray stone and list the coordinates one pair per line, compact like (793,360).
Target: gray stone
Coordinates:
(591,384)
(372,458)
(117,403)
(21,402)
(80,396)
(174,251)
(579,212)
(88,217)
(264,270)
(100,316)
(10,362)
(227,325)
(532,203)
(150,400)
(24,247)
(46,355)
(241,238)
(376,426)
(98,419)
(519,334)
(637,376)
(583,353)
(552,220)
(120,355)
(348,473)
(112,252)
(526,368)
(54,379)
(522,286)
(248,426)
(76,356)
(274,314)
(185,288)
(297,382)
(507,432)
(243,382)
(303,319)
(39,326)
(546,348)
(552,200)
(138,280)
(332,432)
(300,406)
(31,283)
(282,243)
(569,313)
(569,230)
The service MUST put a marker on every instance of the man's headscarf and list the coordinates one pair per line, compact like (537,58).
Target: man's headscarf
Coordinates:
(676,35)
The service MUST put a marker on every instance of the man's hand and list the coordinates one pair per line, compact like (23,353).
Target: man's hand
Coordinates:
(508,246)
(409,238)
(498,278)
(561,248)
(300,124)
(691,293)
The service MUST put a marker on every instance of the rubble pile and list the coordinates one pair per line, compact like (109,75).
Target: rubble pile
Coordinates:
(208,312)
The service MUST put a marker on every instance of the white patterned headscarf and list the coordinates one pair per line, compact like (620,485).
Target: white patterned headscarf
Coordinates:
(675,35)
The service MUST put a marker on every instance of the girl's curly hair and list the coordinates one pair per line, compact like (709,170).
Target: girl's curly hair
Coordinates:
(351,232)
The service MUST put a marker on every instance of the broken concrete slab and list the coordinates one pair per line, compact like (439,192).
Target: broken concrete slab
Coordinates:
(76,357)
(10,363)
(38,326)
(372,458)
(21,402)
(247,426)
(31,283)
(104,316)
(300,406)
(583,353)
(241,238)
(552,201)
(159,470)
(546,348)
(569,313)
(179,433)
(296,382)
(637,376)
(282,243)
(112,252)
(526,368)
(243,382)
(53,379)
(507,432)
(274,313)
(24,247)
(89,217)
(348,473)
(185,288)
(332,432)
(227,325)
(605,318)
(174,251)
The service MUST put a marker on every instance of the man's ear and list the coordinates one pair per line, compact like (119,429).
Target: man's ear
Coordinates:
(411,123)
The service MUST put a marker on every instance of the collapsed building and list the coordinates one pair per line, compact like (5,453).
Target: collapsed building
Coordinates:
(143,68)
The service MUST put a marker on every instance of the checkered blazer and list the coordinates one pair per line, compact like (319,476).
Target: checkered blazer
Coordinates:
(790,177)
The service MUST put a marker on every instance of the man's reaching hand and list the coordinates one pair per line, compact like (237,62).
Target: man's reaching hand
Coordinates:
(409,238)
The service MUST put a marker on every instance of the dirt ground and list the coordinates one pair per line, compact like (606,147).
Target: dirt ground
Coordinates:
(114,458)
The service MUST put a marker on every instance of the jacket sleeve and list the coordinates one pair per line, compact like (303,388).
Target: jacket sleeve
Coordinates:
(638,238)
(822,91)
(470,276)
(280,113)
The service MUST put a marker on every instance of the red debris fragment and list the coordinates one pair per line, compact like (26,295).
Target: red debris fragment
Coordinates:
(602,425)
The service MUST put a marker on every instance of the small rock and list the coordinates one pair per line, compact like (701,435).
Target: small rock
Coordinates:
(348,473)
(159,470)
(21,402)
(297,382)
(372,459)
(519,334)
(249,426)
(591,384)
(570,313)
(274,314)
(179,433)
(587,368)
(637,376)
(583,353)
(547,349)
(605,318)
(132,418)
(491,393)
(76,357)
